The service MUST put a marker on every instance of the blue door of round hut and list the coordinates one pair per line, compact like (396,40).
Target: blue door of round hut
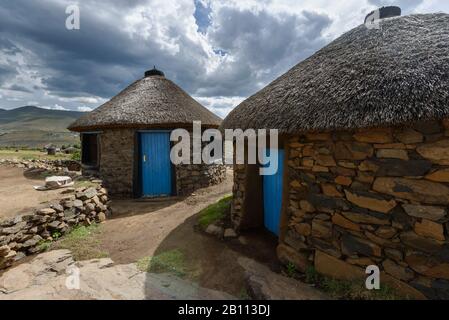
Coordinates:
(272,195)
(155,164)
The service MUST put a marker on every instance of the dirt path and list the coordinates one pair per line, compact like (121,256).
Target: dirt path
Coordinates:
(17,195)
(141,229)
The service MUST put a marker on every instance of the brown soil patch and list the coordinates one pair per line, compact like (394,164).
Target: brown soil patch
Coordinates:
(17,195)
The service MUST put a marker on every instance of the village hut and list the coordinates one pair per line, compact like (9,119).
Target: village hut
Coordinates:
(363,177)
(126,141)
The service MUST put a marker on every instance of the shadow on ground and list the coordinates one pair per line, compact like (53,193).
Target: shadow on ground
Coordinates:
(213,263)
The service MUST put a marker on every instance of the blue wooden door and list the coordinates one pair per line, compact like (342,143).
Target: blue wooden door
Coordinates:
(272,195)
(155,164)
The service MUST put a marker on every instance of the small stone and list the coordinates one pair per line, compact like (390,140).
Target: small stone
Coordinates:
(321,229)
(397,271)
(307,206)
(439,176)
(78,204)
(295,184)
(394,254)
(409,136)
(320,169)
(325,161)
(379,135)
(430,229)
(215,230)
(303,229)
(386,232)
(392,154)
(367,218)
(230,233)
(352,245)
(371,201)
(87,194)
(68,190)
(353,151)
(4,251)
(437,152)
(425,212)
(331,191)
(46,212)
(414,190)
(101,217)
(341,221)
(344,181)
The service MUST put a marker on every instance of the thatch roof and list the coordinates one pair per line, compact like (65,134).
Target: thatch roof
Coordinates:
(151,102)
(366,78)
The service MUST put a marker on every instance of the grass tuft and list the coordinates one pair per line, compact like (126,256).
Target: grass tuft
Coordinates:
(83,243)
(171,261)
(348,290)
(214,212)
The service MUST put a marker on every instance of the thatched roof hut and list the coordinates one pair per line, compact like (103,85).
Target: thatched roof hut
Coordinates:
(151,102)
(365,78)
(126,141)
(363,157)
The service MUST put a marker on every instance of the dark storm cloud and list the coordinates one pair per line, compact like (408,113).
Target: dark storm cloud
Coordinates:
(16,87)
(6,72)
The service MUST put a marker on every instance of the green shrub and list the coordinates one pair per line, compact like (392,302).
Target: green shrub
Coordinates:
(76,156)
(215,212)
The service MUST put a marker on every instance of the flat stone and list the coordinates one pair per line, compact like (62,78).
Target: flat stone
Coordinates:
(303,229)
(230,233)
(341,221)
(406,290)
(322,201)
(343,181)
(392,154)
(379,135)
(428,127)
(397,167)
(425,212)
(215,230)
(414,190)
(394,254)
(4,250)
(428,266)
(439,176)
(101,217)
(87,194)
(437,152)
(325,160)
(398,271)
(321,229)
(353,151)
(352,245)
(331,191)
(32,242)
(264,284)
(306,206)
(288,255)
(15,229)
(361,262)
(409,136)
(386,232)
(370,201)
(332,267)
(367,218)
(420,243)
(325,247)
(295,241)
(430,229)
(46,212)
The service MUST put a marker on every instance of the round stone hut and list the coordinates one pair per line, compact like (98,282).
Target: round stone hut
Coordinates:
(364,152)
(126,141)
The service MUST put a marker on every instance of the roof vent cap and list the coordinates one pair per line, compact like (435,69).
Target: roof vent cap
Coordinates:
(154,72)
(384,12)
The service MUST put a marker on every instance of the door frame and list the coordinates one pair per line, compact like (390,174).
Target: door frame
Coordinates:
(138,183)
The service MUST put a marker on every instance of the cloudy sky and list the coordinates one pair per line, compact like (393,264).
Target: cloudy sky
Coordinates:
(219,51)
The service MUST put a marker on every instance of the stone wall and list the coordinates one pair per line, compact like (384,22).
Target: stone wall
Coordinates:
(24,235)
(117,161)
(193,177)
(372,197)
(238,192)
(50,165)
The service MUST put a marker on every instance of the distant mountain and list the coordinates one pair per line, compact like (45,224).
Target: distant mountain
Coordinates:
(34,127)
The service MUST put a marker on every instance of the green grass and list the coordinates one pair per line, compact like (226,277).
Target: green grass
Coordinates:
(83,242)
(171,261)
(30,155)
(348,290)
(85,184)
(214,212)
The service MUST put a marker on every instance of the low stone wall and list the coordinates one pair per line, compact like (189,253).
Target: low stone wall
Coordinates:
(23,235)
(193,177)
(50,165)
(238,192)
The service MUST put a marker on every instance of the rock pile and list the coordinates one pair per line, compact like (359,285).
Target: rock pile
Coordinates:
(24,235)
(49,165)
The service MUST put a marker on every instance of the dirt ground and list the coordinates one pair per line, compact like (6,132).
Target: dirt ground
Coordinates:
(143,228)
(17,195)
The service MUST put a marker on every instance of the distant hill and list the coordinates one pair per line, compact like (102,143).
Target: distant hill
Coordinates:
(35,127)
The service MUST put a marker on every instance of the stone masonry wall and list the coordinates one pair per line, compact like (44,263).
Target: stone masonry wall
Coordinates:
(372,197)
(193,177)
(24,235)
(117,161)
(238,192)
